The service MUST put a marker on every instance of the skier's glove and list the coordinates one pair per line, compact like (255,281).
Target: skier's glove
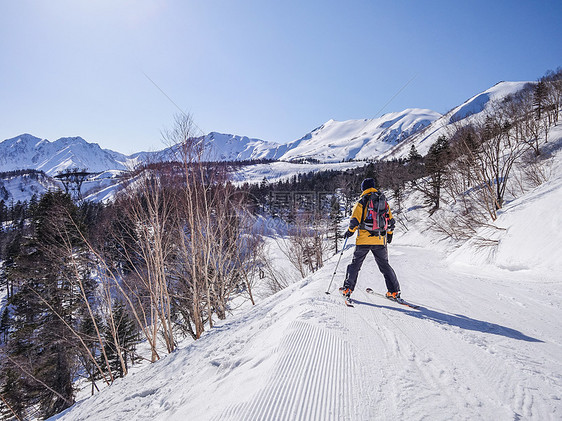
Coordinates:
(388,237)
(348,234)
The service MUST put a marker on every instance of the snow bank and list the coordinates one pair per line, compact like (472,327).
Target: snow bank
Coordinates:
(532,240)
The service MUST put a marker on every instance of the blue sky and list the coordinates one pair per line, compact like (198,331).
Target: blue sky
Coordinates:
(273,70)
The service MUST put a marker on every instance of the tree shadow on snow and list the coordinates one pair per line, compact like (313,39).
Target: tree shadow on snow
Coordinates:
(458,320)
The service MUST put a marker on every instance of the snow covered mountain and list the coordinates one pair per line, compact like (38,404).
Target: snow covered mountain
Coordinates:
(464,114)
(390,135)
(332,142)
(386,137)
(228,147)
(30,152)
(337,141)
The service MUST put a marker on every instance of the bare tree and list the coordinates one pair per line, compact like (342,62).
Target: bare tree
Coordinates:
(306,244)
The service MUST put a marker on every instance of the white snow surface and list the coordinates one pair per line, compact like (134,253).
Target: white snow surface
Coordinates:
(531,242)
(481,347)
(485,344)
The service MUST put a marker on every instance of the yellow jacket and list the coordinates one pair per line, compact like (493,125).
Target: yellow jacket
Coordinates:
(364,238)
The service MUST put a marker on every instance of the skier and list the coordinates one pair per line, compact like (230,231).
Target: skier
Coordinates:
(370,241)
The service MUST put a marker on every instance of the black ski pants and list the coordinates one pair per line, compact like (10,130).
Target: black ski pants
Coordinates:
(381,257)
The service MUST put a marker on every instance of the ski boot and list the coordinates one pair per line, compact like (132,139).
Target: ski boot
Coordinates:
(394,296)
(346,292)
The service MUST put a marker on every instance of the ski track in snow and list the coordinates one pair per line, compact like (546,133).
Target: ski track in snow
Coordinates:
(480,348)
(310,357)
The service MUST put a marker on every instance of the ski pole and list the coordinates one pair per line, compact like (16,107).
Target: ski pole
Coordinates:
(336,268)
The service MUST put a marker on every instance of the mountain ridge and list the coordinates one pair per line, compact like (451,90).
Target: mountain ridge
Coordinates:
(389,136)
(328,143)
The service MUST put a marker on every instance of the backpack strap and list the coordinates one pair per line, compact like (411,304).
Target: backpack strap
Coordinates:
(363,202)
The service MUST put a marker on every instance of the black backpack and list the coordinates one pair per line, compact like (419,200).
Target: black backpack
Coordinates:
(374,218)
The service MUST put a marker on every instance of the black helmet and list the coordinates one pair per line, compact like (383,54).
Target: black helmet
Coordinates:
(368,183)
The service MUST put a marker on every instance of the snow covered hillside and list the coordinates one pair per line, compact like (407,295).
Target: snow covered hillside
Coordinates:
(443,126)
(337,141)
(485,343)
(21,187)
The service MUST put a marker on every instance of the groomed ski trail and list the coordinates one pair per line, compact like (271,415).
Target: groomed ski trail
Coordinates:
(482,347)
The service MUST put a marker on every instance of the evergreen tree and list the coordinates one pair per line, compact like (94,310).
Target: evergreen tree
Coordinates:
(13,250)
(414,155)
(436,162)
(3,212)
(89,335)
(540,95)
(127,337)
(40,348)
(335,217)
(4,324)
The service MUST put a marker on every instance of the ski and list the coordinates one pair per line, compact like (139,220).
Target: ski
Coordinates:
(397,300)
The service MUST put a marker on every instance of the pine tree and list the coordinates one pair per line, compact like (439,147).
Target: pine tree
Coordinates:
(13,250)
(540,95)
(126,334)
(4,324)
(3,213)
(414,155)
(436,162)
(40,348)
(335,217)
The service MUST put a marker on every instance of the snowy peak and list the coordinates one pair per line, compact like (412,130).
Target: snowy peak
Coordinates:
(19,145)
(464,114)
(478,103)
(334,141)
(228,147)
(30,152)
(357,139)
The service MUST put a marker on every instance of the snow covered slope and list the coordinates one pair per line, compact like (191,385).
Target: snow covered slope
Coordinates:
(463,114)
(21,187)
(535,252)
(481,347)
(337,141)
